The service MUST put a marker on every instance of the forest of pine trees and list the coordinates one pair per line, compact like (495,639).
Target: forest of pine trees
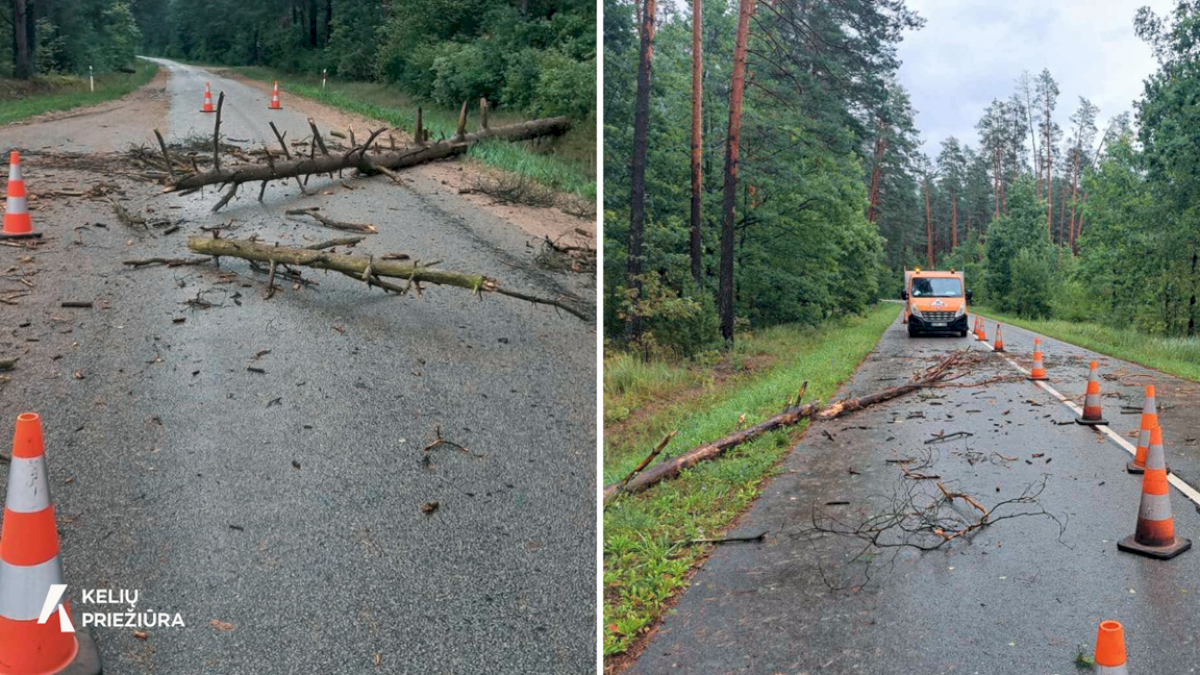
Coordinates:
(802,191)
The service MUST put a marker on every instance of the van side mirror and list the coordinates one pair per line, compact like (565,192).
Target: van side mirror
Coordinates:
(903,295)
(970,296)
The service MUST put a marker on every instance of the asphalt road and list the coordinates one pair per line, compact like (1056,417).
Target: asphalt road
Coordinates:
(1019,597)
(280,512)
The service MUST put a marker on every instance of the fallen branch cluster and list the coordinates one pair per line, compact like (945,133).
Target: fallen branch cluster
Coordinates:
(922,518)
(945,370)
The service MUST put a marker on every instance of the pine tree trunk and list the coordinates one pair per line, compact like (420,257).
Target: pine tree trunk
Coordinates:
(876,176)
(1049,177)
(22,50)
(733,139)
(641,125)
(1074,198)
(697,138)
(953,220)
(996,179)
(928,227)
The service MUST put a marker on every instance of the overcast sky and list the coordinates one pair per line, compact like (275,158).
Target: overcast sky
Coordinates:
(970,52)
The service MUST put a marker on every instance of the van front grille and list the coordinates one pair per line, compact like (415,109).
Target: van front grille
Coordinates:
(938,317)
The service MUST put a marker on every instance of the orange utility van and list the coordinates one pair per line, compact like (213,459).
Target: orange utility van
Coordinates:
(935,302)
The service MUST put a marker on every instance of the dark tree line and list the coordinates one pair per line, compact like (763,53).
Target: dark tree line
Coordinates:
(538,56)
(69,36)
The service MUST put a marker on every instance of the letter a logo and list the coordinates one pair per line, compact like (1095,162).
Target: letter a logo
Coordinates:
(54,599)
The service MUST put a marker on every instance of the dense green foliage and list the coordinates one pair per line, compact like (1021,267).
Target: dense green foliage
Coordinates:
(805,250)
(536,56)
(68,36)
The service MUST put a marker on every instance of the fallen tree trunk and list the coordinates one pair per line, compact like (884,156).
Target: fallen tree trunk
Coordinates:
(359,267)
(672,467)
(357,158)
(368,269)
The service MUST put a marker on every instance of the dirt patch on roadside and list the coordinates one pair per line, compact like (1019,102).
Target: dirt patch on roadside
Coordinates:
(459,177)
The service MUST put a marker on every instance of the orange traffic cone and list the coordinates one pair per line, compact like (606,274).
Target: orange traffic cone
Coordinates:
(37,636)
(1155,533)
(275,105)
(1039,370)
(1110,649)
(982,331)
(208,104)
(1146,435)
(17,224)
(975,329)
(998,346)
(1091,402)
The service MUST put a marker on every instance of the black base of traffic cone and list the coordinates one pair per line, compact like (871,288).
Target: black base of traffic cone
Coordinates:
(1037,379)
(1134,468)
(1157,552)
(23,235)
(1090,423)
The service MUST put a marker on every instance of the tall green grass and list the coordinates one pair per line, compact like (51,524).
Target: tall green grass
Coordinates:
(571,168)
(645,564)
(1172,355)
(61,92)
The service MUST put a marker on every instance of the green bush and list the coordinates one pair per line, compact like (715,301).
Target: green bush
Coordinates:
(465,72)
(1030,285)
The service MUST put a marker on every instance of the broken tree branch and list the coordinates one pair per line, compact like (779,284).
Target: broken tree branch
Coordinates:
(673,466)
(311,212)
(356,158)
(371,270)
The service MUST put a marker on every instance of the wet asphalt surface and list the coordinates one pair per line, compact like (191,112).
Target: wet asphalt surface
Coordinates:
(1018,597)
(280,512)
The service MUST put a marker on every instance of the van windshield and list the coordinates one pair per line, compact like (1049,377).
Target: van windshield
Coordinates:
(937,287)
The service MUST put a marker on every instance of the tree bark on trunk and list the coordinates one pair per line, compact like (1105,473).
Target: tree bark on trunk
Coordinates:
(641,126)
(996,179)
(312,23)
(697,137)
(1049,176)
(876,176)
(953,219)
(732,142)
(1074,198)
(22,50)
(928,227)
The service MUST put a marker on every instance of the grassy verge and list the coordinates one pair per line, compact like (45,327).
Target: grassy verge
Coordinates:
(644,566)
(569,165)
(20,100)
(1175,356)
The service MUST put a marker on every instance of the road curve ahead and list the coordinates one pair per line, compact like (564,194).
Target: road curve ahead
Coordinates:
(1017,597)
(271,470)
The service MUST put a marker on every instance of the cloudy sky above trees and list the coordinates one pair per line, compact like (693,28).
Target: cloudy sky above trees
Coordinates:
(971,52)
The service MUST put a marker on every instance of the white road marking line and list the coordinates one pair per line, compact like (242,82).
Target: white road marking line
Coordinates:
(1187,490)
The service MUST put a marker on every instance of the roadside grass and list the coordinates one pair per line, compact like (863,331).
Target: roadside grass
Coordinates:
(645,563)
(1173,355)
(567,164)
(21,100)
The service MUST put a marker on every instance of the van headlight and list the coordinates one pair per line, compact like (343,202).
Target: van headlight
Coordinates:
(962,309)
(915,312)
